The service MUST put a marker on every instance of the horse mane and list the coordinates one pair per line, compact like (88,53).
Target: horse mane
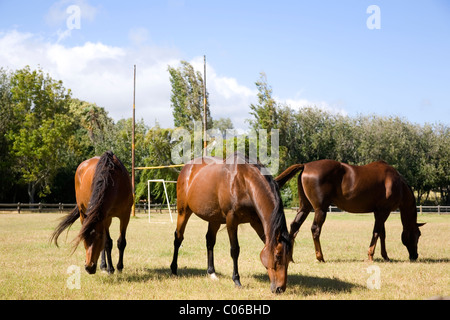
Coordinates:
(278,231)
(100,183)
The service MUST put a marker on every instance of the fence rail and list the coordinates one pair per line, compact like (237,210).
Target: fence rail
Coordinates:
(420,209)
(142,207)
(64,207)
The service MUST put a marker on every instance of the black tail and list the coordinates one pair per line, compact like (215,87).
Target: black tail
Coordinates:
(64,224)
(288,174)
(100,183)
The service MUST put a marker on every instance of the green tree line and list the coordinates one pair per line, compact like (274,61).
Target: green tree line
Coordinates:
(45,133)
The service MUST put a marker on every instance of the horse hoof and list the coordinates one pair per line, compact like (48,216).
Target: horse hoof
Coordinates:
(213,277)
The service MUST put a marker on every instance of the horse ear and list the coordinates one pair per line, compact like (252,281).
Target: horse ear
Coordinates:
(421,224)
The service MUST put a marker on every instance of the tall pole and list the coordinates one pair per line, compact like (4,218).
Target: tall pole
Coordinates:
(132,143)
(204,106)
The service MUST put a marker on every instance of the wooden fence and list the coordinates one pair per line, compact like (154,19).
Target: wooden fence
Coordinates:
(64,207)
(143,207)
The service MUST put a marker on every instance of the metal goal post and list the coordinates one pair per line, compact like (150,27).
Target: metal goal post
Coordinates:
(165,191)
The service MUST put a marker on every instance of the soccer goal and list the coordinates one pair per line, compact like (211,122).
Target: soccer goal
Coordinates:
(165,191)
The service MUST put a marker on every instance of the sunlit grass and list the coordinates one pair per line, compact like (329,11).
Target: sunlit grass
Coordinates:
(32,268)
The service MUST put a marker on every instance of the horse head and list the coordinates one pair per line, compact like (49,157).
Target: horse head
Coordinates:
(94,242)
(410,238)
(276,259)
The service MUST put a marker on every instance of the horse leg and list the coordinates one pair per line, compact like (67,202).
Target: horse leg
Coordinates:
(259,228)
(122,242)
(383,244)
(183,217)
(106,263)
(234,248)
(379,231)
(108,248)
(302,214)
(213,227)
(316,228)
(304,210)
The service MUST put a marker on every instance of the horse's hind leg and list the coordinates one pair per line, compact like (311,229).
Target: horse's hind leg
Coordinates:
(213,227)
(303,212)
(379,231)
(316,228)
(183,217)
(122,242)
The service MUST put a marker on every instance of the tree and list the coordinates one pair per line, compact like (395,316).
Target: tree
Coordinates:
(158,145)
(222,124)
(40,136)
(265,111)
(7,123)
(95,125)
(187,96)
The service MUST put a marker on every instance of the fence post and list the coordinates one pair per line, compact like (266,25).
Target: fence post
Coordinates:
(39,207)
(439,209)
(60,207)
(18,207)
(420,209)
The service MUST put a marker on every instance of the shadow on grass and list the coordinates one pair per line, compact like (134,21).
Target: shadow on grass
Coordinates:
(146,274)
(309,285)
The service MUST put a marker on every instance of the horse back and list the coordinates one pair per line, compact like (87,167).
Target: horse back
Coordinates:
(213,189)
(119,195)
(352,188)
(372,187)
(83,182)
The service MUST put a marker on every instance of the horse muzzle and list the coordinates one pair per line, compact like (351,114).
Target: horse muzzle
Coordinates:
(275,289)
(91,268)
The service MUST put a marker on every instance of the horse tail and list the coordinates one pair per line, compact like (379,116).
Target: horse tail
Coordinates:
(288,174)
(100,183)
(66,222)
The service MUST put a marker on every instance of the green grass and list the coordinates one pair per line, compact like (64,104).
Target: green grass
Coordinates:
(32,268)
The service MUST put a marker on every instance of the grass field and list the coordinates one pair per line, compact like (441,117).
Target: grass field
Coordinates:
(32,268)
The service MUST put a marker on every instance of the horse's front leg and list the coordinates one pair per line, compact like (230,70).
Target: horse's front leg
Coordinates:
(122,242)
(213,227)
(234,249)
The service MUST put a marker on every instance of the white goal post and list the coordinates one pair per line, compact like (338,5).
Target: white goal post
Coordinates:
(165,191)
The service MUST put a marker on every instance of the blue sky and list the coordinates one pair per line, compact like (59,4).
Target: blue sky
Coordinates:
(313,52)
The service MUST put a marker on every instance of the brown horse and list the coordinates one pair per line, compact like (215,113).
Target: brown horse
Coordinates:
(376,187)
(222,192)
(103,191)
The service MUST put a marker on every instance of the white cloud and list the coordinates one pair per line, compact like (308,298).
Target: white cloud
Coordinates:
(103,74)
(227,98)
(297,104)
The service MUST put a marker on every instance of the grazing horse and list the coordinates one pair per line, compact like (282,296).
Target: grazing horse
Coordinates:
(103,191)
(376,187)
(232,192)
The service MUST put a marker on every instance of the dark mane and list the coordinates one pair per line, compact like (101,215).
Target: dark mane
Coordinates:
(278,231)
(100,183)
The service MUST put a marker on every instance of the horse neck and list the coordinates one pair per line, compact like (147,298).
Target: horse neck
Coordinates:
(267,204)
(263,202)
(408,209)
